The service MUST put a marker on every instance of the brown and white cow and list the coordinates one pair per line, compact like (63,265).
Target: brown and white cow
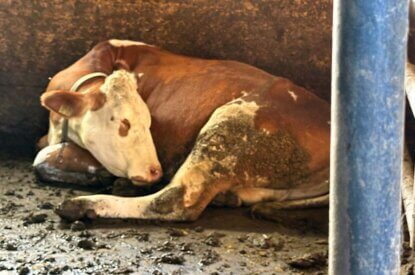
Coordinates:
(215,127)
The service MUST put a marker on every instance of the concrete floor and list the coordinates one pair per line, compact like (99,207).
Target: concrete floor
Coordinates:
(33,240)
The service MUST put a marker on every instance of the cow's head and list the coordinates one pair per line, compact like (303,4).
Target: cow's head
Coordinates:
(113,123)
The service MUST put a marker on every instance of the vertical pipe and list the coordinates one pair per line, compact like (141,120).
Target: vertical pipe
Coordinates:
(369,51)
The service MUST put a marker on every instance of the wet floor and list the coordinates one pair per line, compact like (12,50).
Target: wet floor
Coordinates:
(33,240)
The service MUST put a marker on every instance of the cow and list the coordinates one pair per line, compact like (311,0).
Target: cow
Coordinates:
(214,130)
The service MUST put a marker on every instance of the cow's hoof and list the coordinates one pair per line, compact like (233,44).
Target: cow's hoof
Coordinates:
(75,209)
(267,210)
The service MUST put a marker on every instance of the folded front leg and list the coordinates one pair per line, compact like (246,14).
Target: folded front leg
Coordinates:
(183,199)
(165,205)
(69,163)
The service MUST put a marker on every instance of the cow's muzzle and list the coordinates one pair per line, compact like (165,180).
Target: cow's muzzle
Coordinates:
(154,174)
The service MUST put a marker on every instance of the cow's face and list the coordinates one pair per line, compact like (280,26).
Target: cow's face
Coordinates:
(113,124)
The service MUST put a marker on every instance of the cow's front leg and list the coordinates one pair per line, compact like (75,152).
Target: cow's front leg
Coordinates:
(190,191)
(165,205)
(69,163)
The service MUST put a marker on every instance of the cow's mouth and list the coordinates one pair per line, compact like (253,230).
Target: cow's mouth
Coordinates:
(141,181)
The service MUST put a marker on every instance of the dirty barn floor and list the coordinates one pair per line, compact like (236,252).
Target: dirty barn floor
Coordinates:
(33,240)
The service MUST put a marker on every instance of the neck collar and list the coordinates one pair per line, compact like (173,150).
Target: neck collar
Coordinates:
(84,79)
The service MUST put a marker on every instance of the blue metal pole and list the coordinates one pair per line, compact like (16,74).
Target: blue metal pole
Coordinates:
(369,51)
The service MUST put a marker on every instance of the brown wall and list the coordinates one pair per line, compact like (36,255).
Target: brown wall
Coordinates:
(291,38)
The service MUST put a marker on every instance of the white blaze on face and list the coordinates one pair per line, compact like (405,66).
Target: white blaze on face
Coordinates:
(118,134)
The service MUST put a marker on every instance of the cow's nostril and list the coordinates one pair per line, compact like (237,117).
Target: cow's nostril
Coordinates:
(153,174)
(154,171)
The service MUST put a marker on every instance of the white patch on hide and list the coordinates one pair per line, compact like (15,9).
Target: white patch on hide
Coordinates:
(293,95)
(233,109)
(91,169)
(125,43)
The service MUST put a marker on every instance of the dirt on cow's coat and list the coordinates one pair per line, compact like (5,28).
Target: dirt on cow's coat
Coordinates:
(33,240)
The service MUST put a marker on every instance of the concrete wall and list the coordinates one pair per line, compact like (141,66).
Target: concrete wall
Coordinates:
(291,38)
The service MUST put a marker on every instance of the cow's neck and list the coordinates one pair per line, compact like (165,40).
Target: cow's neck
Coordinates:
(55,134)
(74,130)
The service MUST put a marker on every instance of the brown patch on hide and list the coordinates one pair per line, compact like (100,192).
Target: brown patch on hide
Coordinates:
(124,127)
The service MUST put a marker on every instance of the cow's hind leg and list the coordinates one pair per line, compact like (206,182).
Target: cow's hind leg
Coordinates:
(266,207)
(294,207)
(303,195)
(68,163)
(309,195)
(302,214)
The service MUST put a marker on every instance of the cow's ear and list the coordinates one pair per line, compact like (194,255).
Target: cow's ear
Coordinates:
(67,104)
